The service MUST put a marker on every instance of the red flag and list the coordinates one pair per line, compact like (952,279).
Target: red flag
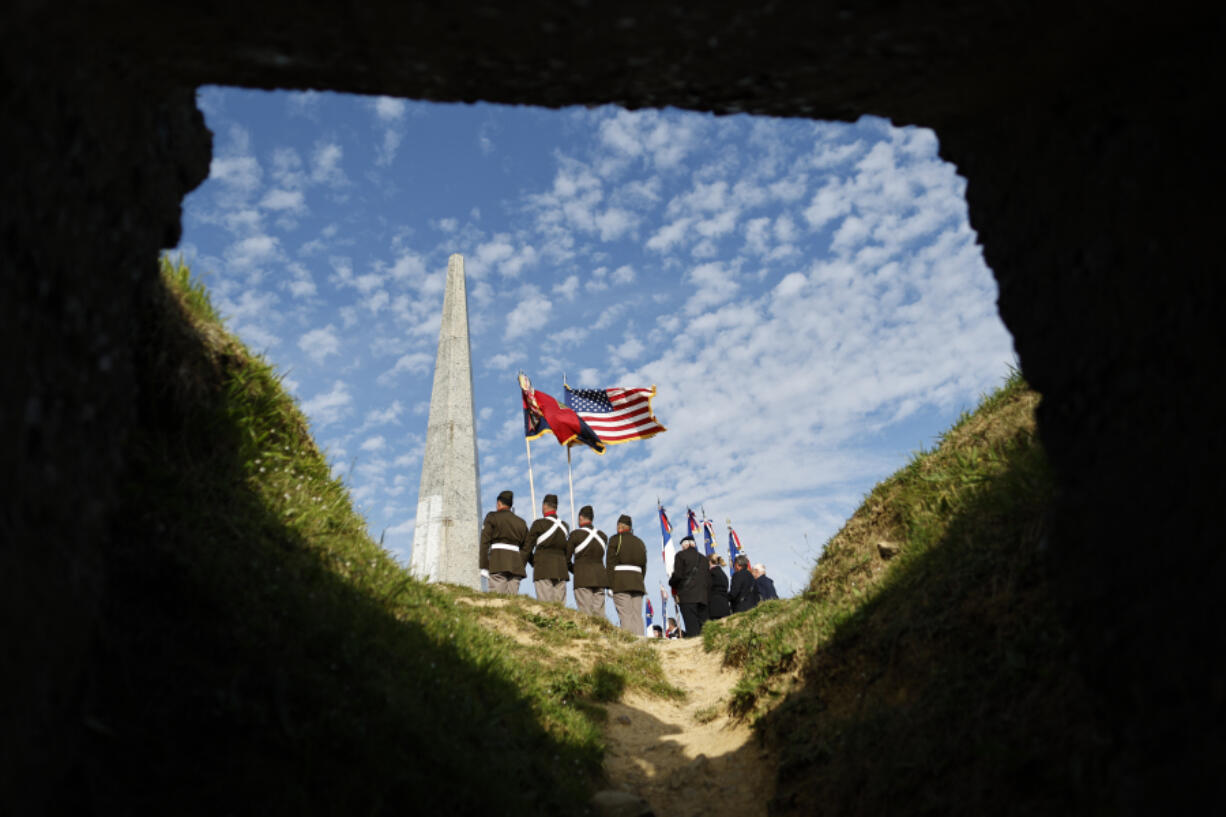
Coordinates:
(542,414)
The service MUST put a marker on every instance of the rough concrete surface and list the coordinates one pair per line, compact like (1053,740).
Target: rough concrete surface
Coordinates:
(446,538)
(1083,129)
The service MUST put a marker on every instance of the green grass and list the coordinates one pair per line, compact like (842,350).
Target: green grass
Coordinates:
(940,681)
(261,654)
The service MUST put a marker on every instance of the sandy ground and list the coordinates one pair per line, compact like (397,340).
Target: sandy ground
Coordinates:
(658,748)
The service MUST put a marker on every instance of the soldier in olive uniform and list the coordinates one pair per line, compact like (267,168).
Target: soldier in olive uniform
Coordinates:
(547,549)
(626,563)
(504,547)
(585,552)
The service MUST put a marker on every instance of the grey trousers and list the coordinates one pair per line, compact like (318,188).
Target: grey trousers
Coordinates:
(629,604)
(507,583)
(550,590)
(590,600)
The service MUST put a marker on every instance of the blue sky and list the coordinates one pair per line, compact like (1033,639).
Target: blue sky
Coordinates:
(807,297)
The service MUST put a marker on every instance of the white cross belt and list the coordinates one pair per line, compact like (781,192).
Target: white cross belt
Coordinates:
(557,524)
(591,535)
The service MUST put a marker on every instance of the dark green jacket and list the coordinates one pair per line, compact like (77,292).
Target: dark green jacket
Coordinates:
(503,528)
(587,564)
(626,553)
(548,554)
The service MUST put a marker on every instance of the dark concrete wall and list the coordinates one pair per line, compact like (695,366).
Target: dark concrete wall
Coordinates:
(1083,129)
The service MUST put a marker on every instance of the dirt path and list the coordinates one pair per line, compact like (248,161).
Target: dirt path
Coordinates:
(686,768)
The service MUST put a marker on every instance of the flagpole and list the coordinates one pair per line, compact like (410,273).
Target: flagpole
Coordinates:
(571,479)
(731,555)
(531,485)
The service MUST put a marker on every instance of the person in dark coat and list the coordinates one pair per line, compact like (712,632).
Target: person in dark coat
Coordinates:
(691,582)
(626,562)
(585,553)
(766,585)
(742,592)
(547,552)
(718,605)
(504,547)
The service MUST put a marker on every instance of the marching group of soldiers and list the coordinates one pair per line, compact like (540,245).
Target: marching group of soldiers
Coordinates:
(600,563)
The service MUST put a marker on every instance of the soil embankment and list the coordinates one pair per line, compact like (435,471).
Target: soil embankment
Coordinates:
(688,757)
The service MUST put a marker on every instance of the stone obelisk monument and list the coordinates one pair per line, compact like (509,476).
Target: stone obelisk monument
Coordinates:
(447,536)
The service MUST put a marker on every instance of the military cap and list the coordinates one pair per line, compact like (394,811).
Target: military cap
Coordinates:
(586,512)
(551,499)
(624,519)
(687,538)
(507,498)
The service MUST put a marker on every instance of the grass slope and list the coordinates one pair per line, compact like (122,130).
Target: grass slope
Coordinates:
(258,653)
(938,680)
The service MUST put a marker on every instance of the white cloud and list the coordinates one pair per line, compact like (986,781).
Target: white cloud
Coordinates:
(329,407)
(569,288)
(570,336)
(367,283)
(789,189)
(252,305)
(663,140)
(715,284)
(614,223)
(670,235)
(377,301)
(828,203)
(326,165)
(289,200)
(488,255)
(631,348)
(599,281)
(413,363)
(502,362)
(850,234)
(256,336)
(721,224)
(376,443)
(382,417)
(287,169)
(385,154)
(529,315)
(389,109)
(252,254)
(304,103)
(302,285)
(241,173)
(320,343)
(246,220)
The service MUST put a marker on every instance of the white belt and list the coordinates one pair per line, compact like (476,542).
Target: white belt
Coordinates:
(557,523)
(635,568)
(590,536)
(501,546)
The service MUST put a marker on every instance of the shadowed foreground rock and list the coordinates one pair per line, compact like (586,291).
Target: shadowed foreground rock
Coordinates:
(1083,131)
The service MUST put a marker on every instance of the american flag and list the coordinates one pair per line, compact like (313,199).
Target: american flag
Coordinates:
(616,415)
